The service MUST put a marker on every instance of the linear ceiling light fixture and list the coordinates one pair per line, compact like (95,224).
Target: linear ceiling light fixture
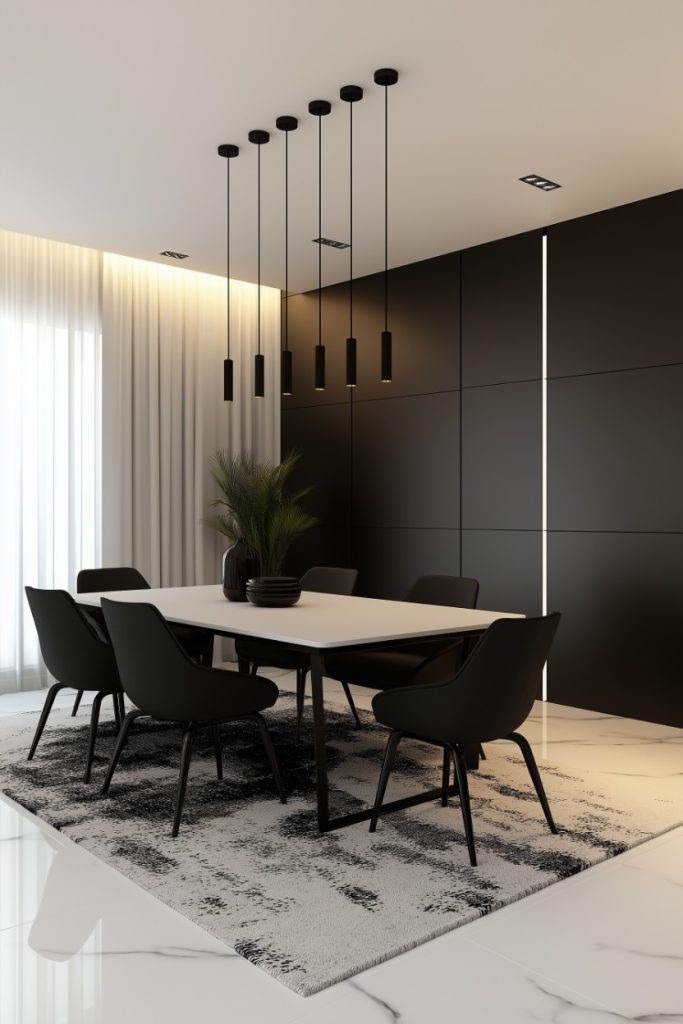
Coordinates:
(286,124)
(259,138)
(351,94)
(332,242)
(175,255)
(320,109)
(228,151)
(545,184)
(386,77)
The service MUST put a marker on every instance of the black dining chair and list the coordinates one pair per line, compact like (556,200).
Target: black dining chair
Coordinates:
(77,658)
(383,669)
(166,684)
(252,654)
(488,699)
(197,642)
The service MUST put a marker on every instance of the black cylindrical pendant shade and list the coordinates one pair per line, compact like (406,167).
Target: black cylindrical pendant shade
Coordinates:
(319,367)
(385,369)
(227,380)
(259,376)
(286,373)
(351,380)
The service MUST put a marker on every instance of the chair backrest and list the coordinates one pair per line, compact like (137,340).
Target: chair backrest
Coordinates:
(326,579)
(452,591)
(495,689)
(124,577)
(72,651)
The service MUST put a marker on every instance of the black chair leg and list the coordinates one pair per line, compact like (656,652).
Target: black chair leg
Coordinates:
(122,706)
(243,666)
(387,765)
(523,743)
(120,743)
(94,721)
(349,697)
(270,752)
(117,709)
(47,707)
(445,776)
(77,703)
(461,772)
(219,751)
(185,759)
(482,755)
(254,668)
(300,694)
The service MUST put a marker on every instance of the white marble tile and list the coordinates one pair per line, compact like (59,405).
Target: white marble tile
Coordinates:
(613,932)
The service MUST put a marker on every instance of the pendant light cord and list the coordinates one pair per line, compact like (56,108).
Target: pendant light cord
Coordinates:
(286,241)
(350,220)
(258,252)
(386,208)
(228,254)
(320,229)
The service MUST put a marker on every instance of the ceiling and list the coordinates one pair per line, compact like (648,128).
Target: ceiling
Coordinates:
(111,115)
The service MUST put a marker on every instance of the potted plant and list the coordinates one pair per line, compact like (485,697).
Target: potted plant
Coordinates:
(257,514)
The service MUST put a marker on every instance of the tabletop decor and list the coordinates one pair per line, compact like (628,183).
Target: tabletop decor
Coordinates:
(256,508)
(273,591)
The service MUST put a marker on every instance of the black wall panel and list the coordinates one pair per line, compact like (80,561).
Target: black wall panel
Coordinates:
(507,564)
(322,436)
(501,457)
(389,561)
(614,288)
(618,646)
(614,451)
(501,311)
(405,461)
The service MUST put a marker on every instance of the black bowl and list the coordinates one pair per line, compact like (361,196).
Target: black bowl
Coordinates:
(273,600)
(274,581)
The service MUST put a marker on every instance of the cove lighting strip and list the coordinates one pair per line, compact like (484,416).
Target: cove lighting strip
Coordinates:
(544,441)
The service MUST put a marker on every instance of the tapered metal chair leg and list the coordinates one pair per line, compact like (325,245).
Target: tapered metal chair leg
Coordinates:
(94,721)
(523,743)
(461,772)
(387,765)
(300,694)
(349,697)
(122,706)
(120,743)
(47,707)
(117,709)
(219,751)
(243,666)
(254,668)
(482,755)
(270,752)
(185,759)
(77,702)
(445,776)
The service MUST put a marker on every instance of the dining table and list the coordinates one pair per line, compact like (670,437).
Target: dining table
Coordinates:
(319,625)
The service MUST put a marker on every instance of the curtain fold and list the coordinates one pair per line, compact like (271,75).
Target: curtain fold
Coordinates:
(163,413)
(50,351)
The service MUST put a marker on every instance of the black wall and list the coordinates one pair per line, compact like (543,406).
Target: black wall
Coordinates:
(441,471)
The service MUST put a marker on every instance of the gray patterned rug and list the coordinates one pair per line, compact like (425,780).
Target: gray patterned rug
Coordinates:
(309,909)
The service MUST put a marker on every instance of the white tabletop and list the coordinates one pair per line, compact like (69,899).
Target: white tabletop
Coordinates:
(319,620)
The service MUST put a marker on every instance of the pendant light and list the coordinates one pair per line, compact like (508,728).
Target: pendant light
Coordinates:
(319,109)
(228,151)
(259,138)
(286,124)
(351,94)
(386,77)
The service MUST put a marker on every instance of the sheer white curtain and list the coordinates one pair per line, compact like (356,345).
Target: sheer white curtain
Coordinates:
(50,351)
(164,415)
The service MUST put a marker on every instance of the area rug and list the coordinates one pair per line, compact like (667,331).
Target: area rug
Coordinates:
(312,910)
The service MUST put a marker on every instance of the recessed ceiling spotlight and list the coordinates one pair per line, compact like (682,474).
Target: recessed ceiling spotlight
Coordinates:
(331,242)
(174,255)
(538,182)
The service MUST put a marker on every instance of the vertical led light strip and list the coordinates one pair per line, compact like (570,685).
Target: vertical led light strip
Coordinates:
(544,441)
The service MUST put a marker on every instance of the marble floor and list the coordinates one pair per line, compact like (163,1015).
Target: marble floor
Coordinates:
(603,946)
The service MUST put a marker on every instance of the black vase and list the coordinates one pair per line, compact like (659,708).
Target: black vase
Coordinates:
(241,563)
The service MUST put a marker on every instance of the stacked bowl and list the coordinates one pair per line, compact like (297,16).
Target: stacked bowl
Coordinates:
(273,591)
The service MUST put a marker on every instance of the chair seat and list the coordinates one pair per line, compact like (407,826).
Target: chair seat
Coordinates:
(380,670)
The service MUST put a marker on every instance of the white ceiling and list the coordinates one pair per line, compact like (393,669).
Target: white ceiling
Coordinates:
(110,116)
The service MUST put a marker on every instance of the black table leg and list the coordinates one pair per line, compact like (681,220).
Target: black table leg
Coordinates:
(319,741)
